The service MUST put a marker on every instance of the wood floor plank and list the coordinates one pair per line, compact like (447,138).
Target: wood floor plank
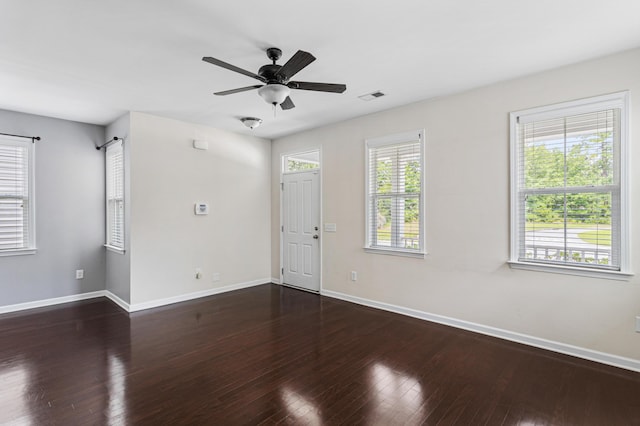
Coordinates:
(274,355)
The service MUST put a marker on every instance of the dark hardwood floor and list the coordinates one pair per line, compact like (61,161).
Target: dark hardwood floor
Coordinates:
(271,354)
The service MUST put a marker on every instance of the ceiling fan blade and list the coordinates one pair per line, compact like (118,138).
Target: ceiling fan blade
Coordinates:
(318,87)
(297,62)
(287,104)
(242,89)
(222,64)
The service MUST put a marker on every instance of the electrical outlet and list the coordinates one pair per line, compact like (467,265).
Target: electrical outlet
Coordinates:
(198,273)
(215,277)
(638,324)
(354,276)
(79,274)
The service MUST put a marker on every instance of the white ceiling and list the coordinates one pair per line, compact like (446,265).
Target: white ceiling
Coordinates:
(91,61)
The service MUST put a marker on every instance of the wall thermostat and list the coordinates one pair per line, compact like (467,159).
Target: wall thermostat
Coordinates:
(202,208)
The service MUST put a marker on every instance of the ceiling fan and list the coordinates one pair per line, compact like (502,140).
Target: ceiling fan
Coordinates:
(277,78)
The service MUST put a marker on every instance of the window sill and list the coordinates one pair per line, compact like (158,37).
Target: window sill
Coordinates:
(114,249)
(572,270)
(20,252)
(396,252)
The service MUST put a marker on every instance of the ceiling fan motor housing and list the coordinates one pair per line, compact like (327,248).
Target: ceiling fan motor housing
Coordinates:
(269,73)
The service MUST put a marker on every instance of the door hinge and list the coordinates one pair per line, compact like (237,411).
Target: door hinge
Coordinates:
(282,228)
(282,271)
(282,186)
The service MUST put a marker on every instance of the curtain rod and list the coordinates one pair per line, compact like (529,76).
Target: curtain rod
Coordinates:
(115,138)
(33,138)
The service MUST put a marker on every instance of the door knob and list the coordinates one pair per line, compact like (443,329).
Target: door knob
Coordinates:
(315,237)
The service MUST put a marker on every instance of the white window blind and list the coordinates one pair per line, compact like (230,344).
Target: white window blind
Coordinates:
(568,188)
(394,193)
(115,194)
(17,230)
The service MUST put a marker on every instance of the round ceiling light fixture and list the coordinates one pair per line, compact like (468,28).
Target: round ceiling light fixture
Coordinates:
(251,122)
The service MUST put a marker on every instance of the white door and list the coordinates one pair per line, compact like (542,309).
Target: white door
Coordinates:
(301,230)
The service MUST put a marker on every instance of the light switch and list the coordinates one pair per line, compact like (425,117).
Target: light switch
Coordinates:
(329,227)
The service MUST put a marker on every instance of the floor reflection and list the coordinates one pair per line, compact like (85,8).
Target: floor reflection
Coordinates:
(14,385)
(117,407)
(300,409)
(57,364)
(398,398)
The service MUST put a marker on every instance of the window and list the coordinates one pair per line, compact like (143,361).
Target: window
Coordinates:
(115,196)
(17,213)
(568,200)
(395,188)
(301,161)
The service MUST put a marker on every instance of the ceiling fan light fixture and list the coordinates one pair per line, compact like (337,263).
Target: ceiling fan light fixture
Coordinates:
(251,122)
(274,93)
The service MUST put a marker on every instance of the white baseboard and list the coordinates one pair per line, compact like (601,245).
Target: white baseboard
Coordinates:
(50,302)
(127,306)
(563,348)
(196,295)
(275,280)
(117,300)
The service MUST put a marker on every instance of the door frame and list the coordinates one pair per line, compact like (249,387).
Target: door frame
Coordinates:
(320,224)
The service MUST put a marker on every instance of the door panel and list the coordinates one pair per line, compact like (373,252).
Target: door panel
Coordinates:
(292,205)
(301,220)
(308,220)
(293,258)
(307,260)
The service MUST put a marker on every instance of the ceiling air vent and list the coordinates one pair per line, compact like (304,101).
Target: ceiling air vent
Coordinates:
(371,96)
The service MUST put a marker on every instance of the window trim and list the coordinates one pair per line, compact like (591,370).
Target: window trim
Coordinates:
(396,139)
(108,244)
(114,249)
(31,152)
(565,109)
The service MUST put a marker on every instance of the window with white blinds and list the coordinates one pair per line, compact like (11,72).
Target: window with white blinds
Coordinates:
(395,188)
(17,215)
(568,182)
(115,195)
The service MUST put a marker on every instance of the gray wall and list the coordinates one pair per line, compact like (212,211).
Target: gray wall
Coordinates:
(70,211)
(118,266)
